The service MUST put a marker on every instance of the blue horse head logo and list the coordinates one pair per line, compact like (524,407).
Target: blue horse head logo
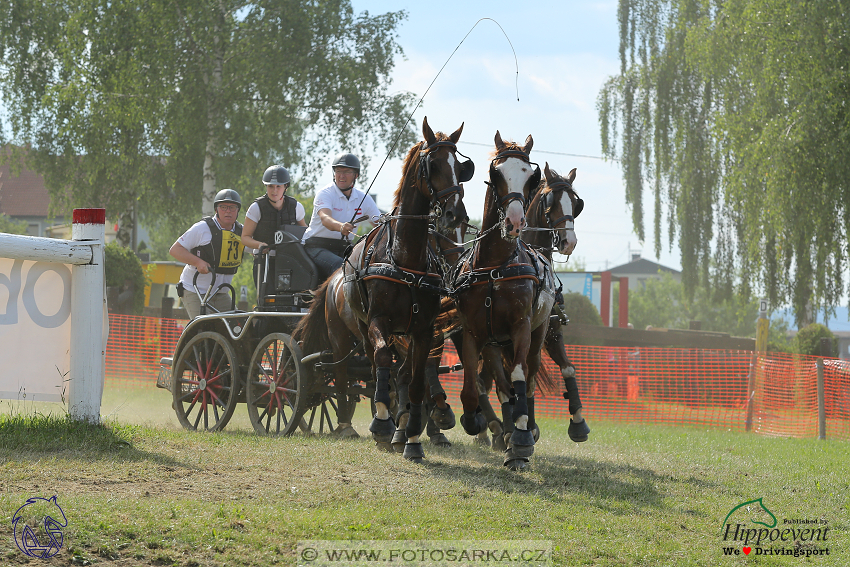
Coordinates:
(40,546)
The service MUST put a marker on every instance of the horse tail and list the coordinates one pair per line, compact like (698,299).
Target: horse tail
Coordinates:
(312,329)
(447,320)
(546,383)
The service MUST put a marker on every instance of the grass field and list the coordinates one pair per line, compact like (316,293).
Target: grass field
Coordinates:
(141,491)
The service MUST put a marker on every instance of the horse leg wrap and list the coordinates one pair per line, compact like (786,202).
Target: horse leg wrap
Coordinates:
(382,386)
(521,404)
(532,424)
(571,388)
(435,388)
(413,452)
(507,417)
(513,461)
(443,418)
(403,392)
(473,423)
(414,424)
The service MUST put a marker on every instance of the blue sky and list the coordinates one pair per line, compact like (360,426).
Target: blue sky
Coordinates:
(565,51)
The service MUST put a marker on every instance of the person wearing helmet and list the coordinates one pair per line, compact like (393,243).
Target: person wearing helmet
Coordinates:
(213,243)
(337,210)
(267,213)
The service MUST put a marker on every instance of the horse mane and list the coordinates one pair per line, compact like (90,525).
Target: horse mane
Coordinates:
(312,331)
(409,168)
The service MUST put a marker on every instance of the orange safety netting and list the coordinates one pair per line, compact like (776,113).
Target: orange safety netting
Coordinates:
(673,386)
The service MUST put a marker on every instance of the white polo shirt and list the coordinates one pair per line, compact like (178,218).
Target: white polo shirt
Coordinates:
(342,209)
(199,235)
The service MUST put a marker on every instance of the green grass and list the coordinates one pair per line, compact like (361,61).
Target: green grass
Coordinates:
(140,491)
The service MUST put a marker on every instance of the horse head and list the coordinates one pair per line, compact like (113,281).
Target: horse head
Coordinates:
(442,175)
(561,205)
(513,179)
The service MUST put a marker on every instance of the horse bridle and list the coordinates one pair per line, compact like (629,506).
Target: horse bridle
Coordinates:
(548,202)
(467,170)
(510,197)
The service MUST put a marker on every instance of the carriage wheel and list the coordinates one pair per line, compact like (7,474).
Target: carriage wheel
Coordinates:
(321,417)
(273,385)
(205,384)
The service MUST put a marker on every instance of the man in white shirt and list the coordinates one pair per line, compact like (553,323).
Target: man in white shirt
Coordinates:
(211,243)
(334,207)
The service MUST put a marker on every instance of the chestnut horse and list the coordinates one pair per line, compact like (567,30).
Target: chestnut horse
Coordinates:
(391,285)
(504,292)
(551,217)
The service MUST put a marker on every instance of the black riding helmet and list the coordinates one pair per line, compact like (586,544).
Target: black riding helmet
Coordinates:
(346,160)
(276,175)
(227,196)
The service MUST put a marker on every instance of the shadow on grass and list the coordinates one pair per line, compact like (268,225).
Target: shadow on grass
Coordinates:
(556,478)
(33,437)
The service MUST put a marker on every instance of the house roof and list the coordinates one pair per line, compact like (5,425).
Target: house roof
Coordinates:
(23,196)
(641,266)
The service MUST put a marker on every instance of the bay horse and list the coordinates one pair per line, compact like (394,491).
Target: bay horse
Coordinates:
(504,293)
(551,225)
(390,285)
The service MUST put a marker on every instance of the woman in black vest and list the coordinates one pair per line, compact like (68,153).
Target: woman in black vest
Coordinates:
(267,213)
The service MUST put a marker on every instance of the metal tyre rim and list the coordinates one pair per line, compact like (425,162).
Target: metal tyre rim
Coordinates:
(205,384)
(273,386)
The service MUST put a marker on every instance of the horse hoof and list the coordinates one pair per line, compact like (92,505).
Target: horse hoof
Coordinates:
(499,443)
(382,430)
(482,440)
(413,452)
(386,447)
(473,424)
(443,418)
(346,432)
(535,431)
(440,440)
(399,439)
(513,461)
(578,431)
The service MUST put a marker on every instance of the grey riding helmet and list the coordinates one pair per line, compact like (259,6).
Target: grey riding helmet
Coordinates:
(276,175)
(346,160)
(227,196)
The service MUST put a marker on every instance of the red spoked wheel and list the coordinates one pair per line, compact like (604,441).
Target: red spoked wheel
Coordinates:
(205,382)
(273,386)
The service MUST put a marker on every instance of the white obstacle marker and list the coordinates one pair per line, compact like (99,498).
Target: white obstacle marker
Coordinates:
(29,332)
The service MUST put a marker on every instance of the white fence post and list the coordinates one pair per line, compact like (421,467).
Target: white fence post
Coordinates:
(88,301)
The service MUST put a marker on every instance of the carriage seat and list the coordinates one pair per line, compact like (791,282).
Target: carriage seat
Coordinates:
(294,270)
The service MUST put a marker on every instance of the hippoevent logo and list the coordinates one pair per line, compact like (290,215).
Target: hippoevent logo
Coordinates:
(751,528)
(38,527)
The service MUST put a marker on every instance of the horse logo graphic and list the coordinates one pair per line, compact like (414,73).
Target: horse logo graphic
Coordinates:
(761,505)
(27,538)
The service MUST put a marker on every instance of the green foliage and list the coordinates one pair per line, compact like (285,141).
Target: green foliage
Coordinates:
(122,264)
(733,113)
(245,276)
(808,339)
(11,226)
(156,104)
(580,310)
(663,303)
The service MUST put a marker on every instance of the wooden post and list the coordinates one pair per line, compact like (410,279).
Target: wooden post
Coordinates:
(605,298)
(624,303)
(825,351)
(87,307)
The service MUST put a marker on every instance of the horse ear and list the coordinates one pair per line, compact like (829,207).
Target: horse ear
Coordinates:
(529,142)
(572,175)
(427,133)
(456,134)
(547,172)
(500,145)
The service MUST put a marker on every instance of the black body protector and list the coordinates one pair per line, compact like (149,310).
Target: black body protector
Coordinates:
(224,251)
(271,219)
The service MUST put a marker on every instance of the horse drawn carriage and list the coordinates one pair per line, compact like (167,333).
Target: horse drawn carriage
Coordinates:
(307,371)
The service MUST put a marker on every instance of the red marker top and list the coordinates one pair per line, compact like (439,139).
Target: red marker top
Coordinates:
(89,216)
